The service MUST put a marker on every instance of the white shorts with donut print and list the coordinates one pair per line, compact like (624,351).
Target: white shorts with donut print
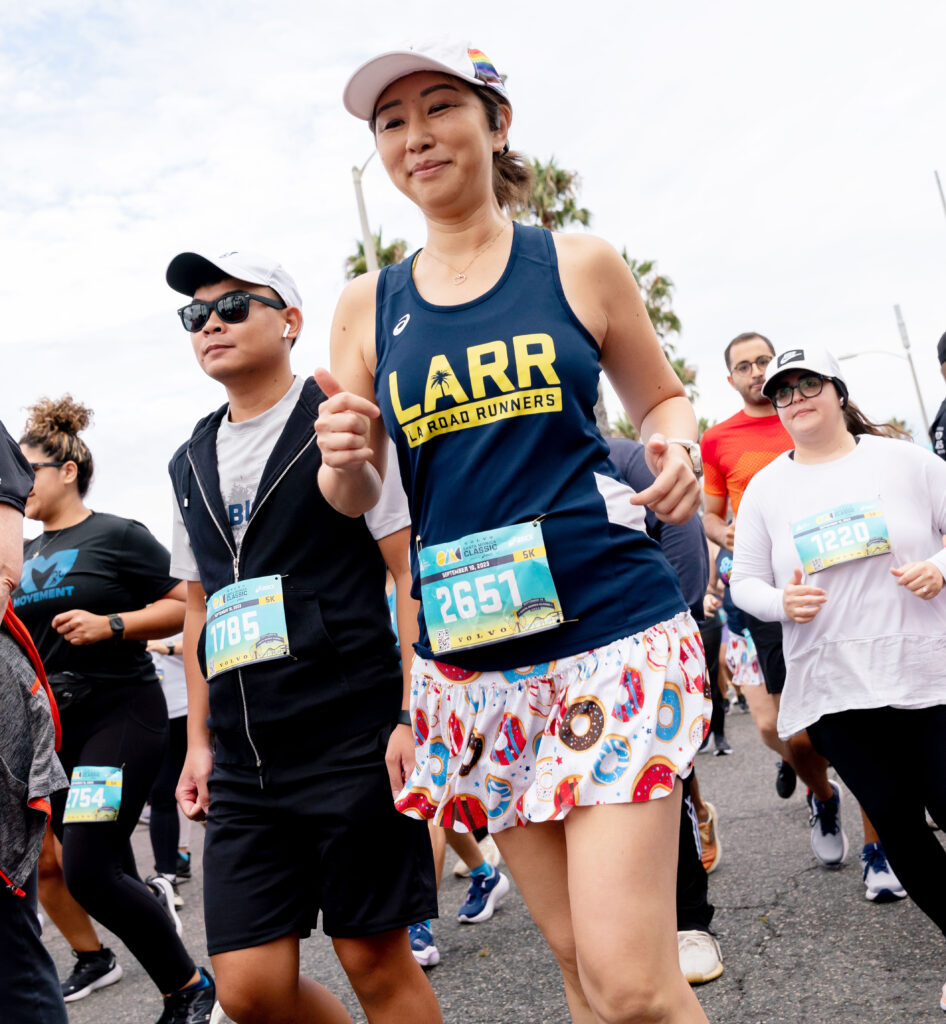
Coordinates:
(612,725)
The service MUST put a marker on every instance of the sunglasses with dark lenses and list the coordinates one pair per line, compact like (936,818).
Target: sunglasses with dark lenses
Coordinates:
(232,308)
(807,387)
(39,465)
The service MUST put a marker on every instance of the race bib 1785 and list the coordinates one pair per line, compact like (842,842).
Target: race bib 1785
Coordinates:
(246,623)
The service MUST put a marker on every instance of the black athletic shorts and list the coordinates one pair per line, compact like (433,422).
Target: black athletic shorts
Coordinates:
(330,841)
(767,637)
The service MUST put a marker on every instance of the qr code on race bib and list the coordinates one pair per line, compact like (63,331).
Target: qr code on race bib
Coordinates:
(817,565)
(443,640)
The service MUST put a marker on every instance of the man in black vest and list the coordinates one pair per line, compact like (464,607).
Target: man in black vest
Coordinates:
(288,624)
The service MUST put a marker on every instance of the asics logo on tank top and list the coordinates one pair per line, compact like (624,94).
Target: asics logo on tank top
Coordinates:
(401,324)
(499,380)
(42,575)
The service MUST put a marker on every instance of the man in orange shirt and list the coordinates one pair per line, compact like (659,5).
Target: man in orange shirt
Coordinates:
(733,452)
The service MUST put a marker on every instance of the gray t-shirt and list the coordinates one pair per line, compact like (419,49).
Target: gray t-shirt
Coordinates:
(242,452)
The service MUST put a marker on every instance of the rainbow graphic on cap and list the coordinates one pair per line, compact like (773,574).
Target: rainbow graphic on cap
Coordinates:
(484,70)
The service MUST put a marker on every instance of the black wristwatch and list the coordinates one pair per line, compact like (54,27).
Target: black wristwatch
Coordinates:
(404,718)
(117,624)
(169,646)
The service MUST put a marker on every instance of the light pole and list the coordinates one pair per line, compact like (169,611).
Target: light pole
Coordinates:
(371,257)
(905,339)
(939,185)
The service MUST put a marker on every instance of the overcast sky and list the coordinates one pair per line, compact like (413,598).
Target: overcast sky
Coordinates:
(777,161)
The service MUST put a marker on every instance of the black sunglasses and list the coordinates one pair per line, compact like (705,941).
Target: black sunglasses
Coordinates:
(39,465)
(232,308)
(809,386)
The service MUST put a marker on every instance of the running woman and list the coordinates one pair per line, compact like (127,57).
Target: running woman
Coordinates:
(93,588)
(288,623)
(483,351)
(733,451)
(841,541)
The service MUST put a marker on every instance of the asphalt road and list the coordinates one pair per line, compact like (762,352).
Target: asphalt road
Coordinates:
(800,944)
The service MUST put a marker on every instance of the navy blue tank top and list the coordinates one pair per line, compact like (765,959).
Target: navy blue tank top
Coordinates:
(490,404)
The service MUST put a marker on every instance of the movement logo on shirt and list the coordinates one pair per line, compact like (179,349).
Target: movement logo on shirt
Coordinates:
(42,575)
(450,403)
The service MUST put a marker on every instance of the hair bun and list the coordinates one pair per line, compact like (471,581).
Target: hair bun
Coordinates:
(51,416)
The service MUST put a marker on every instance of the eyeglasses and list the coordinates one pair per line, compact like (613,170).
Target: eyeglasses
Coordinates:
(807,387)
(232,308)
(39,465)
(744,368)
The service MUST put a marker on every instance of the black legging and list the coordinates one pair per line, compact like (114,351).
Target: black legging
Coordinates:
(711,634)
(164,826)
(124,728)
(894,763)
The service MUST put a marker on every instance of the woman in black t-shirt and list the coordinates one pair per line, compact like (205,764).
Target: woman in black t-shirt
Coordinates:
(93,589)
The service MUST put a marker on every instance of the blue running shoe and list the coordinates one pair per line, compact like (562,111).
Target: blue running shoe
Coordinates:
(880,883)
(422,944)
(483,897)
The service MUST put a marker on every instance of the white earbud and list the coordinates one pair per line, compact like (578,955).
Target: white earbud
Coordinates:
(285,332)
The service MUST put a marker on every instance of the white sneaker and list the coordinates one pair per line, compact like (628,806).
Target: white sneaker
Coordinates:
(942,999)
(164,894)
(490,852)
(828,841)
(700,958)
(880,883)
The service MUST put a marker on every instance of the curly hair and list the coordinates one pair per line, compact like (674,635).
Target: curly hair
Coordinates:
(53,425)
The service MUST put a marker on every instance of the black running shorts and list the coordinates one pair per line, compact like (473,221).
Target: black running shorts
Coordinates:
(767,637)
(330,841)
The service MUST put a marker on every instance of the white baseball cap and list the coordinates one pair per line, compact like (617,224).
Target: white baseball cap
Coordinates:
(811,357)
(189,271)
(452,58)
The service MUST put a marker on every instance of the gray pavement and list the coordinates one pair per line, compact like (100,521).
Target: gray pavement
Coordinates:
(800,943)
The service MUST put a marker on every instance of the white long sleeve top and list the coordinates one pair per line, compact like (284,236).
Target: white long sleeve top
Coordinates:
(872,644)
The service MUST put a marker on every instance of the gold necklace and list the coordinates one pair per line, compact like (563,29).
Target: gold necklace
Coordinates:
(459,276)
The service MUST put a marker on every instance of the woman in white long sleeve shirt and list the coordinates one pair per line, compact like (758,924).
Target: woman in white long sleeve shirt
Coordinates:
(842,541)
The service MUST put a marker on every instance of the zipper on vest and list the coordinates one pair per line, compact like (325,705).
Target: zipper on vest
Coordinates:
(236,576)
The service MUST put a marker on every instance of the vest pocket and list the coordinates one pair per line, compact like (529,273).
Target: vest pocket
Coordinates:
(309,639)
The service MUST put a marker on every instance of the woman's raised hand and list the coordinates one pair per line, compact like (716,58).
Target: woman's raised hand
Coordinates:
(802,603)
(343,428)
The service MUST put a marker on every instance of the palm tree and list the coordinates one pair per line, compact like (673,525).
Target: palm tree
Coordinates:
(657,292)
(554,200)
(356,265)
